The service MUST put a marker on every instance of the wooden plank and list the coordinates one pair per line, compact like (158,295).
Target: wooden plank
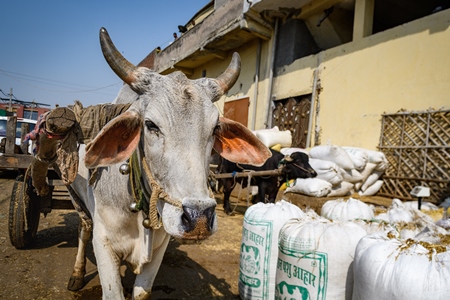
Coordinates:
(11,135)
(15,161)
(246,174)
(316,204)
(62,204)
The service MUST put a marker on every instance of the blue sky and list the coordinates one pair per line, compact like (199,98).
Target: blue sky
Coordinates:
(50,50)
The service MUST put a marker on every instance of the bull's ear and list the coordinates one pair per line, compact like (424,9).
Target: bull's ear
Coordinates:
(115,142)
(234,142)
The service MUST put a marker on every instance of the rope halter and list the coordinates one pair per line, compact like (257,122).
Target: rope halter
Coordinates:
(145,200)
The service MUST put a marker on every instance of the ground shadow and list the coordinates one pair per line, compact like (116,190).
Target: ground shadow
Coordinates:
(180,277)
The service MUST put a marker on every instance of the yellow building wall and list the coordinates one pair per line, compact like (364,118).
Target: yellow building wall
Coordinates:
(245,85)
(406,67)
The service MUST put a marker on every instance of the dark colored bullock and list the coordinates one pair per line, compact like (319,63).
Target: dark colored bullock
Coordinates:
(294,166)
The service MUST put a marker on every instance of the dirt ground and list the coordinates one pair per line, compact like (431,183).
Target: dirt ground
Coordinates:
(208,270)
(197,271)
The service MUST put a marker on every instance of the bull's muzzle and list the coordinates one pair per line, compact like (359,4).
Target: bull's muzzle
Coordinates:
(311,173)
(198,224)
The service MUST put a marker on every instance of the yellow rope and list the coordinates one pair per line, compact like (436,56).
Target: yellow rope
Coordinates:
(157,193)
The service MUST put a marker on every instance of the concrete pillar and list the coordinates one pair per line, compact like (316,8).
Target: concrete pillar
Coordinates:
(363,20)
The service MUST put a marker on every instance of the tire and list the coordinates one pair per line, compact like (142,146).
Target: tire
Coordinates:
(23,213)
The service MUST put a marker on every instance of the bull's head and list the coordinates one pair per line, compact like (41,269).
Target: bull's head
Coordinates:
(175,123)
(297,165)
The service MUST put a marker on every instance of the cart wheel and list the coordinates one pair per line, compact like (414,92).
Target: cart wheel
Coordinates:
(23,213)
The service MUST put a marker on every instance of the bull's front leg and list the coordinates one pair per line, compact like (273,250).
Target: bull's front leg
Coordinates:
(108,264)
(76,281)
(144,281)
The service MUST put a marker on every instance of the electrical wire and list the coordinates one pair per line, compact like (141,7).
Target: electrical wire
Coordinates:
(48,82)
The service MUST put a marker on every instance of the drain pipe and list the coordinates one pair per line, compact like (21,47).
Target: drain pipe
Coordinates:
(272,66)
(312,110)
(255,94)
(314,95)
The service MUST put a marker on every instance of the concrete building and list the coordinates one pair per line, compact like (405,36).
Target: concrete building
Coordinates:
(353,60)
(340,72)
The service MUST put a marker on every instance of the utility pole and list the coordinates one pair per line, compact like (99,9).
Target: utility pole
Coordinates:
(10,100)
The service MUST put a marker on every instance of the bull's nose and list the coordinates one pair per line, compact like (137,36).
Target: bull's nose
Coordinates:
(312,173)
(198,222)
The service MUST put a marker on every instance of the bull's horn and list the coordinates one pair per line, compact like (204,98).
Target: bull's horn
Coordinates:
(122,67)
(228,78)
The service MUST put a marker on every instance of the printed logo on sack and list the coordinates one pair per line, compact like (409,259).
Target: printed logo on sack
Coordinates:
(285,291)
(301,275)
(250,265)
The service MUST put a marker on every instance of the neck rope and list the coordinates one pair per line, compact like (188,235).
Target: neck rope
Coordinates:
(143,198)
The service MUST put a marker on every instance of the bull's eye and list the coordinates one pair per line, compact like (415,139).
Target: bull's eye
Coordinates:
(151,126)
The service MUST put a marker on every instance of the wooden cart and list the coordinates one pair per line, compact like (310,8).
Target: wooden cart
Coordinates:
(25,205)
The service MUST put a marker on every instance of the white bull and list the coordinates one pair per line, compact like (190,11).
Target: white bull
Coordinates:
(172,125)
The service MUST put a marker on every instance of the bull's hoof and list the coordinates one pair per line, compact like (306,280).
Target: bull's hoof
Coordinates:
(76,283)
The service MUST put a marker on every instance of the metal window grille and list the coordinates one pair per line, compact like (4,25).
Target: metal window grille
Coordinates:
(293,114)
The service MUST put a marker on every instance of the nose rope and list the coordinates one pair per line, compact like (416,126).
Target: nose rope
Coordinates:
(140,194)
(303,169)
(157,193)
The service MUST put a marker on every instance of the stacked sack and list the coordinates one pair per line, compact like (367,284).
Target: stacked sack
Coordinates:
(259,247)
(341,171)
(345,253)
(273,136)
(315,258)
(387,266)
(404,255)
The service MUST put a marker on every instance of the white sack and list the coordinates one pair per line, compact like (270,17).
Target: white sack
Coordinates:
(273,137)
(373,189)
(326,170)
(342,189)
(315,259)
(375,225)
(259,247)
(424,206)
(351,175)
(289,151)
(274,128)
(332,153)
(377,158)
(314,187)
(371,179)
(358,156)
(386,267)
(346,210)
(365,173)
